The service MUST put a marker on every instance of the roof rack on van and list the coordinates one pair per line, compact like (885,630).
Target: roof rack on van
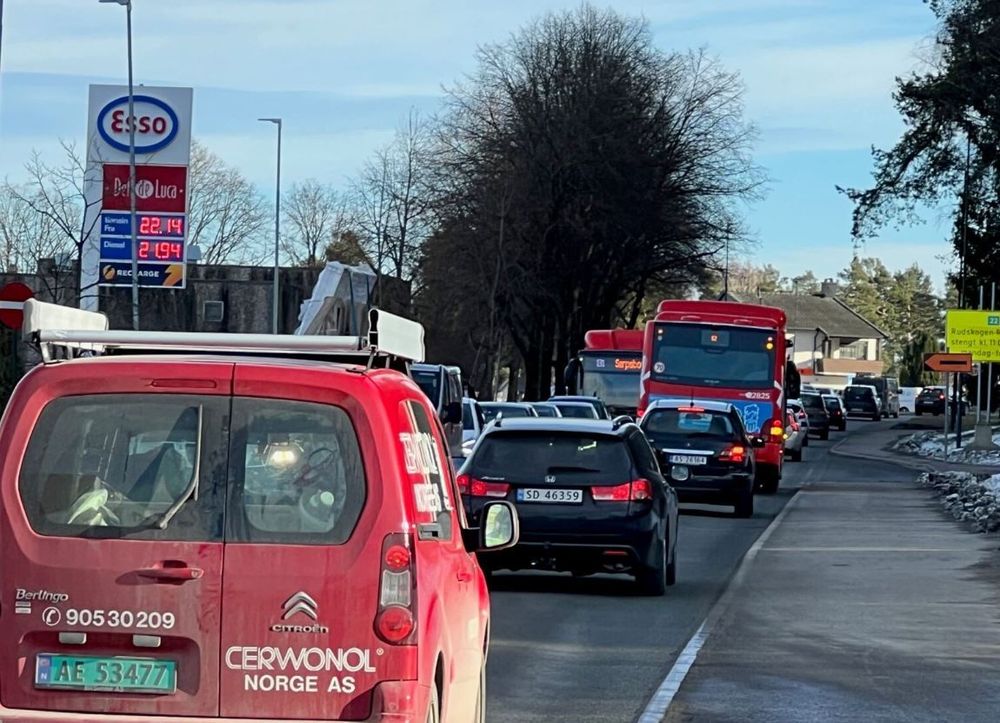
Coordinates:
(64,333)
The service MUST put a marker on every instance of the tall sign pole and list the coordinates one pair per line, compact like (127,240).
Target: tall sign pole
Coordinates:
(131,174)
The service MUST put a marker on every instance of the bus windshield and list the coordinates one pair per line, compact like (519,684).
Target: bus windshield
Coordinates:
(701,355)
(612,377)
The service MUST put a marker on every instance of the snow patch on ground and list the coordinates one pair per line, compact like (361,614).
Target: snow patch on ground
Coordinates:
(969,497)
(931,445)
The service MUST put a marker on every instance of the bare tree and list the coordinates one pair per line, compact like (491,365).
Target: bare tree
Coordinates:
(26,237)
(62,218)
(392,200)
(315,218)
(228,218)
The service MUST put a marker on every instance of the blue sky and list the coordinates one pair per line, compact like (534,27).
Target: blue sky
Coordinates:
(344,73)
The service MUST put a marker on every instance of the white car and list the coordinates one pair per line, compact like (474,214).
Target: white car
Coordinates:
(908,399)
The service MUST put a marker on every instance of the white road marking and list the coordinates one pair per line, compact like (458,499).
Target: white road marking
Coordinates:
(658,705)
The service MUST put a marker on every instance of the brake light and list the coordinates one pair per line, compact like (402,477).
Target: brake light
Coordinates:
(639,490)
(394,621)
(468,485)
(736,453)
(639,413)
(696,410)
(776,429)
(941,397)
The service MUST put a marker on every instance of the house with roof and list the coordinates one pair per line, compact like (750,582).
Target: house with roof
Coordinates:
(832,342)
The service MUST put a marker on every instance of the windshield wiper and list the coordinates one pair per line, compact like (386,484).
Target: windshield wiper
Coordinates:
(192,489)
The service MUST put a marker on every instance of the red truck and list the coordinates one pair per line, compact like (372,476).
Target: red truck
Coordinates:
(608,368)
(727,351)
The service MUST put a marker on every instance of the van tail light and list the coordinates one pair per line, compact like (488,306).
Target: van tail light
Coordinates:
(639,490)
(735,453)
(395,622)
(776,430)
(469,485)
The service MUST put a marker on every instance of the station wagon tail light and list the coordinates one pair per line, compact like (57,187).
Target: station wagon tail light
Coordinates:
(735,453)
(395,622)
(639,490)
(469,485)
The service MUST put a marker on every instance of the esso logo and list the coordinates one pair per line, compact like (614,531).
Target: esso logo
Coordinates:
(156,124)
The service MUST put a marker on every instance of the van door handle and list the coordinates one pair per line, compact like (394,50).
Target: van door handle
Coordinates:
(170,574)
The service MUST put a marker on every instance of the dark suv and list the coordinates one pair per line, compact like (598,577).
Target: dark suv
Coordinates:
(705,450)
(589,492)
(819,417)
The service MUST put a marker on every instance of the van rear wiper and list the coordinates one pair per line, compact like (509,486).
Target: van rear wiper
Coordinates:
(192,489)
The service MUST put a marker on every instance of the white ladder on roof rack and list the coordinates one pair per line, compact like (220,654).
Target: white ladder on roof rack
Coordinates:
(64,332)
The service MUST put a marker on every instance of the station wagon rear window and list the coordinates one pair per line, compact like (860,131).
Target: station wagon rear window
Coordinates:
(675,426)
(533,456)
(163,467)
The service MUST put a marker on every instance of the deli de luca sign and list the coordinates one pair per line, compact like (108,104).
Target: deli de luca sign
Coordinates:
(157,188)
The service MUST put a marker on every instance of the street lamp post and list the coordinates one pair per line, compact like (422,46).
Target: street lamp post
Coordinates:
(277,225)
(131,165)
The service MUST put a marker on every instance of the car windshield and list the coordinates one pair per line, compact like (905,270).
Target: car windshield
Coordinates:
(546,410)
(831,402)
(510,411)
(666,427)
(532,456)
(708,356)
(578,410)
(430,383)
(812,401)
(858,394)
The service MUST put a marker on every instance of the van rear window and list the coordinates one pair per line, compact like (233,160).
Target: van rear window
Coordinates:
(163,467)
(123,465)
(295,473)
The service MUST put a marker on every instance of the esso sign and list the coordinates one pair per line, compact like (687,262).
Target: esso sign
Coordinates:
(156,124)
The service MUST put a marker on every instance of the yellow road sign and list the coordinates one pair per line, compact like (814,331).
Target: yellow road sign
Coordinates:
(974,332)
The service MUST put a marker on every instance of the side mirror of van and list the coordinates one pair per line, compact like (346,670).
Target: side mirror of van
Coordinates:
(499,527)
(757,442)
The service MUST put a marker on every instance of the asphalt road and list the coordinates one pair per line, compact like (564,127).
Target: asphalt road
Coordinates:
(589,650)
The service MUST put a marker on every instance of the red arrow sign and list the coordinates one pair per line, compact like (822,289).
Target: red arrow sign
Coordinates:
(948,363)
(12,298)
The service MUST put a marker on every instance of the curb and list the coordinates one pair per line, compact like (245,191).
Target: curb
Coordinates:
(895,458)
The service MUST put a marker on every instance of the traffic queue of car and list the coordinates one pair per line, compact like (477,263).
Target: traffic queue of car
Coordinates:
(253,527)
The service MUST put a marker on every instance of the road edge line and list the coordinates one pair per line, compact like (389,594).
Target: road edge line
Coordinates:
(659,704)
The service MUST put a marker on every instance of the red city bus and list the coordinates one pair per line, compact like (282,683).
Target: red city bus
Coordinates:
(608,368)
(727,351)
